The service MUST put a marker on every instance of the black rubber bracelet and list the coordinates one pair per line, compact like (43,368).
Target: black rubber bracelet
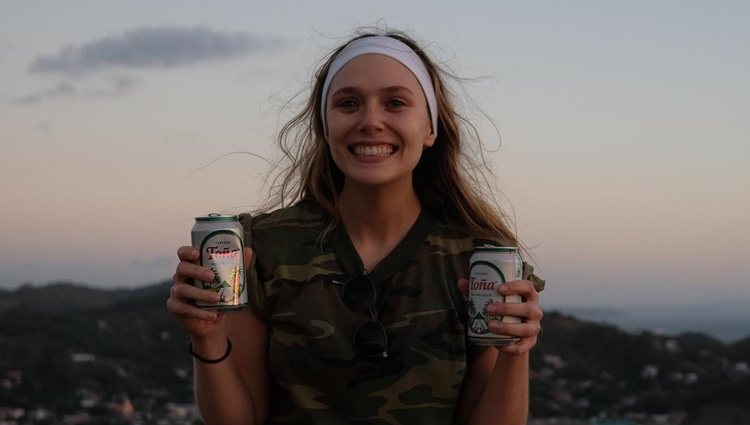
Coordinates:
(211,361)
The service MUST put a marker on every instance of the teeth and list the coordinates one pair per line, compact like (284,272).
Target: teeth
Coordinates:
(368,150)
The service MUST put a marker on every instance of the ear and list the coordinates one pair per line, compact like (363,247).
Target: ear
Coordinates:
(429,139)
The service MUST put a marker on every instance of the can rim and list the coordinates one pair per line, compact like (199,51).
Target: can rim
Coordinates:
(217,217)
(496,248)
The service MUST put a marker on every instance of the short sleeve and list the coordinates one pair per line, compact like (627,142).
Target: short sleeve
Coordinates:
(528,274)
(256,295)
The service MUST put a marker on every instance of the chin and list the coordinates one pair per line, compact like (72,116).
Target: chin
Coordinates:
(375,179)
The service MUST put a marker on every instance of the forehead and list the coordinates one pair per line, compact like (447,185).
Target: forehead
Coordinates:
(374,70)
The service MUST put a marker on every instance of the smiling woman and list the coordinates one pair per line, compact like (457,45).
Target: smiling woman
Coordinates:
(356,290)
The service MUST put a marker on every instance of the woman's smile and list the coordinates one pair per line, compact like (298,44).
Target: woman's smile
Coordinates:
(377,150)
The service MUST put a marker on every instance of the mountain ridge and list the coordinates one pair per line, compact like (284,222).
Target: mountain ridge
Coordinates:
(129,344)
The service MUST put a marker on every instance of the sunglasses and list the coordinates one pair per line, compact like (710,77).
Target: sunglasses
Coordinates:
(370,338)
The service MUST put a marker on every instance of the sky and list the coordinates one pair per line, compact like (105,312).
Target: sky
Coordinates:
(621,142)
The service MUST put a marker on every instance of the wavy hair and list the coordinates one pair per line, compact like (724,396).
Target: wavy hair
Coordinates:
(450,179)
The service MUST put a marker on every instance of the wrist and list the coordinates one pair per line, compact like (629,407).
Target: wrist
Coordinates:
(209,346)
(510,358)
(213,357)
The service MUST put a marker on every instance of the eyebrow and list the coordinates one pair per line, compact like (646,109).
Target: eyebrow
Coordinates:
(389,89)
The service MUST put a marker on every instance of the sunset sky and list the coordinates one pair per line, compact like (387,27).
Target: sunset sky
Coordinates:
(625,130)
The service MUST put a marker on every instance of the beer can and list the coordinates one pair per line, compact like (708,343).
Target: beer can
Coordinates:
(490,267)
(220,240)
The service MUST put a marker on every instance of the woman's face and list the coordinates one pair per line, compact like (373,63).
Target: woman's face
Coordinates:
(378,121)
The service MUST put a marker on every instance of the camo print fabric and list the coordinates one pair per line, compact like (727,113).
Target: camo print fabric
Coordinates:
(317,376)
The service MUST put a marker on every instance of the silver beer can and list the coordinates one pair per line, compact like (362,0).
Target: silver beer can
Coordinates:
(220,240)
(490,267)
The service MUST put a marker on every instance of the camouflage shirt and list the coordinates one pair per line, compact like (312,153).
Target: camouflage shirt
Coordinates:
(316,375)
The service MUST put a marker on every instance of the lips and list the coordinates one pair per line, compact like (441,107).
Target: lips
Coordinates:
(382,150)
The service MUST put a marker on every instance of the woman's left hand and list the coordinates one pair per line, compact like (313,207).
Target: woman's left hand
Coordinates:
(529,311)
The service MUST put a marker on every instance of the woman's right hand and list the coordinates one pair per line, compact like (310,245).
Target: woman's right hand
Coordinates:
(199,322)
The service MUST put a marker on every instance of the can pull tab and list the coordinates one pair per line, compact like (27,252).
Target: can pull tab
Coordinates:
(214,215)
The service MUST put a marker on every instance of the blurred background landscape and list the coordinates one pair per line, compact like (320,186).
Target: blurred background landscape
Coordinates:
(72,354)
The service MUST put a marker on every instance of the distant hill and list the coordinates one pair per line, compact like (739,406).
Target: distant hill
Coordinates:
(68,296)
(63,341)
(727,320)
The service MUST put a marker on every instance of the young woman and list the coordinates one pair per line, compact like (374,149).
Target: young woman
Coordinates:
(356,307)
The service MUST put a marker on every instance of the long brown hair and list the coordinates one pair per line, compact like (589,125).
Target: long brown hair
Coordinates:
(448,180)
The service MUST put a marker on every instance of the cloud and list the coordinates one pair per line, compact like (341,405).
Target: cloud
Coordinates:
(140,48)
(113,87)
(154,47)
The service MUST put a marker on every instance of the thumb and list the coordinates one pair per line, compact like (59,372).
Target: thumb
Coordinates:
(248,256)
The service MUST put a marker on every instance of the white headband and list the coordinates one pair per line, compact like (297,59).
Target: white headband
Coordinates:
(392,48)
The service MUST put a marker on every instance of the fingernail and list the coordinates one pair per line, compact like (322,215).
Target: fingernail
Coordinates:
(502,288)
(208,276)
(492,309)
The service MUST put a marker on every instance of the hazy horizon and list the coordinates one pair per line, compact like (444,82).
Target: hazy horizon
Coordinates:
(726,320)
(623,131)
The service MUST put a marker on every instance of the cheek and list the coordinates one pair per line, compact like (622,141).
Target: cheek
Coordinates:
(337,128)
(335,150)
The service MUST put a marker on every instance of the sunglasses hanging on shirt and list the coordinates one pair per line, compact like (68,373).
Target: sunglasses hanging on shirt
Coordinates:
(370,338)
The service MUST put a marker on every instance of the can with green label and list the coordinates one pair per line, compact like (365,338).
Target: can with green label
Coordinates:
(490,267)
(219,238)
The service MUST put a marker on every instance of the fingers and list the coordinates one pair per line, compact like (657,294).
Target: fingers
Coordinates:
(183,295)
(187,253)
(187,271)
(519,287)
(179,307)
(528,332)
(192,293)
(529,311)
(519,330)
(524,288)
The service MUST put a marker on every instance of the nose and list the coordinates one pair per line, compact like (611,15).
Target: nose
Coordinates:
(372,119)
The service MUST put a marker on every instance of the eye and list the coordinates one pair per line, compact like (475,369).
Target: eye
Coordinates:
(346,103)
(395,103)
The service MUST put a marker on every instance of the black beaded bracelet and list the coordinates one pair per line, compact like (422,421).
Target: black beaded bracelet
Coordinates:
(211,361)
